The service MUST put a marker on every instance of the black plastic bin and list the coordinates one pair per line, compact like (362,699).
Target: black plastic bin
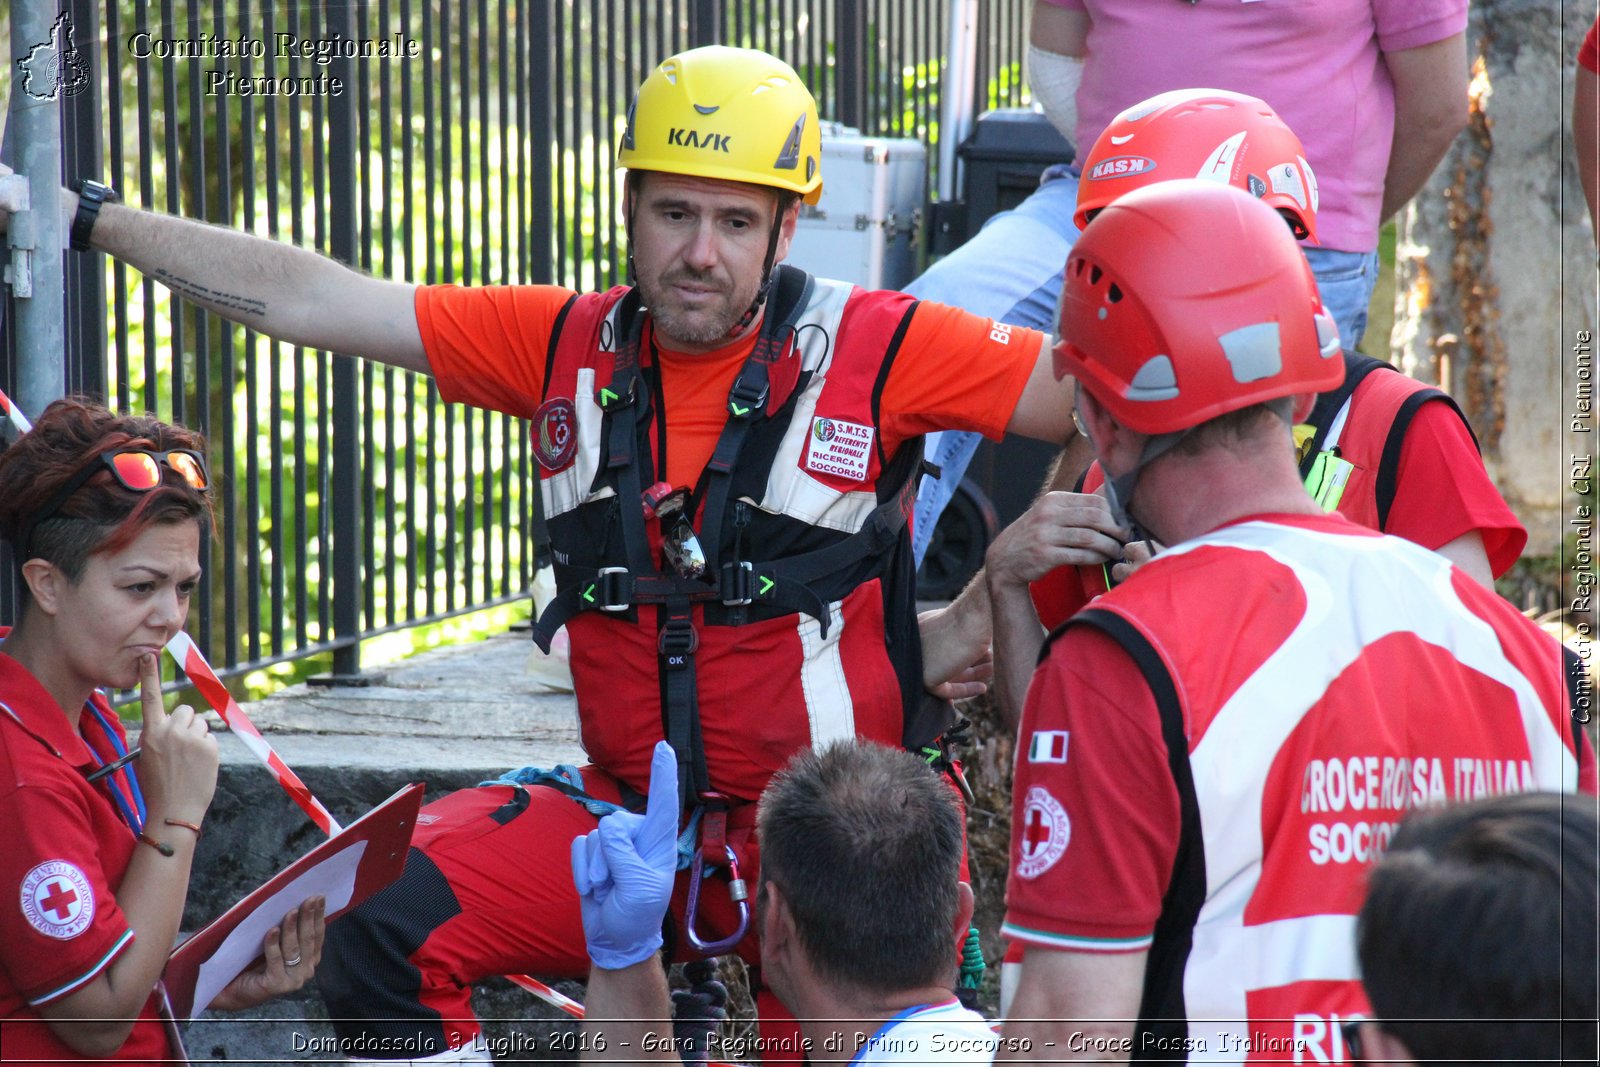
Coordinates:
(1008,150)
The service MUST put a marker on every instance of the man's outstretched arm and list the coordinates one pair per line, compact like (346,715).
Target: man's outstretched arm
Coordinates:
(286,292)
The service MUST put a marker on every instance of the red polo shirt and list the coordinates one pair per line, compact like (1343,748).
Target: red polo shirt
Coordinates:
(66,851)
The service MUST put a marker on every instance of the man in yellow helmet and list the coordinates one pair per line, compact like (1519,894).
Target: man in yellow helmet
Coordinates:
(727,452)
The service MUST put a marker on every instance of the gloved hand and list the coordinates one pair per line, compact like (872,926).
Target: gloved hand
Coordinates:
(624,871)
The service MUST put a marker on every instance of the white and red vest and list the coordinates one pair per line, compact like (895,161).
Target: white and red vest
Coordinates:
(799,641)
(1316,682)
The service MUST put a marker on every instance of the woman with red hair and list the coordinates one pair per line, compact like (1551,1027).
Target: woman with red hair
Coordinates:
(104,514)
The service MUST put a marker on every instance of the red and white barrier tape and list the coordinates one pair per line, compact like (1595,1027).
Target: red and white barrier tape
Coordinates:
(547,994)
(10,411)
(188,656)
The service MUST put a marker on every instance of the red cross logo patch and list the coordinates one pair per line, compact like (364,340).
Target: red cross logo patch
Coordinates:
(1045,831)
(555,433)
(57,900)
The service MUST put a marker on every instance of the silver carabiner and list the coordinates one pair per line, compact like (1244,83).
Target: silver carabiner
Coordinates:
(737,892)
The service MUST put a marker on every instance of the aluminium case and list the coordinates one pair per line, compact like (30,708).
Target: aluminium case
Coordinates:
(867,228)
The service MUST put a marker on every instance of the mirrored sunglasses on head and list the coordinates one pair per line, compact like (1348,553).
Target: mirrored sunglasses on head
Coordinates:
(139,469)
(136,469)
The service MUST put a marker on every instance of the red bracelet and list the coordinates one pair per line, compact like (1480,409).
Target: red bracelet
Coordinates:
(160,846)
(185,825)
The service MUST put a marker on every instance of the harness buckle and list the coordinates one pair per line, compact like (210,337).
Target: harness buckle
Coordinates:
(745,399)
(614,589)
(738,583)
(677,642)
(611,400)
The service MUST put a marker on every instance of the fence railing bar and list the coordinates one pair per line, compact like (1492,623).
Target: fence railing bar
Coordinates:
(604,146)
(251,638)
(199,207)
(367,480)
(408,234)
(321,198)
(505,122)
(169,101)
(588,91)
(472,265)
(223,416)
(116,166)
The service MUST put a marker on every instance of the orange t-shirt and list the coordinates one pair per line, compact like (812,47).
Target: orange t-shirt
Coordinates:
(487,347)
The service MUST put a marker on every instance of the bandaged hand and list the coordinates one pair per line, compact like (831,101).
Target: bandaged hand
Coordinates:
(624,871)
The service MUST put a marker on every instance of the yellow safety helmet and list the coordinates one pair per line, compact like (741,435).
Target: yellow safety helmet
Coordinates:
(730,113)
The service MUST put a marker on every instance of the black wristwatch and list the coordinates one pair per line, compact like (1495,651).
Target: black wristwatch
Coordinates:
(91,194)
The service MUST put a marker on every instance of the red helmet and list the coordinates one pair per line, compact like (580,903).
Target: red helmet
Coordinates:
(1202,133)
(1186,300)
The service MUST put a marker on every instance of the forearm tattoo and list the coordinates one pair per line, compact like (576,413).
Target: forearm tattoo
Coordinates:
(214,298)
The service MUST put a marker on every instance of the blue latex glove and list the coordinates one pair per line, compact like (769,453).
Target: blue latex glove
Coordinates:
(624,871)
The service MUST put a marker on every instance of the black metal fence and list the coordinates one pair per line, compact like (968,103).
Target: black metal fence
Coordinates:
(352,501)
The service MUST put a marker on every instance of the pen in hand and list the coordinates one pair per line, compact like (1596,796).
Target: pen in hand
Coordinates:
(114,765)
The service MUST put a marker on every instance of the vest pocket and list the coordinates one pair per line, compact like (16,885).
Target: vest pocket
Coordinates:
(565,489)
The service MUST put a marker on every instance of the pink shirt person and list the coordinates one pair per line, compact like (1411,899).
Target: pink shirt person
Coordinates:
(1319,65)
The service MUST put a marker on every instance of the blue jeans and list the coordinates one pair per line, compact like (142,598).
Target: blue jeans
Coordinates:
(1346,281)
(1011,271)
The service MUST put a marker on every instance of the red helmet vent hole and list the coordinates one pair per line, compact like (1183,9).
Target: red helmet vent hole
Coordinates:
(1113,294)
(1094,275)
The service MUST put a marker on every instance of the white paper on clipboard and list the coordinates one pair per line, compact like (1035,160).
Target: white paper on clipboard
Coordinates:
(346,869)
(333,878)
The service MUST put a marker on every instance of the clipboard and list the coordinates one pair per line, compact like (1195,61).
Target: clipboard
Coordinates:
(346,869)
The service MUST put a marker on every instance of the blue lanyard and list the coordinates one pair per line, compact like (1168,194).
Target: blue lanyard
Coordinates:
(134,816)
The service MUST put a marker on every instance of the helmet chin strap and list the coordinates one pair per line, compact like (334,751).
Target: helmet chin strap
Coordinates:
(1120,489)
(766,274)
(632,186)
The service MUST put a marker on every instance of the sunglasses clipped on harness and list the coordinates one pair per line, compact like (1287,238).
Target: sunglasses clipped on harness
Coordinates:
(137,469)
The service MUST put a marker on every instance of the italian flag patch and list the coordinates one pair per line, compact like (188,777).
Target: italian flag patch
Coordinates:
(1048,746)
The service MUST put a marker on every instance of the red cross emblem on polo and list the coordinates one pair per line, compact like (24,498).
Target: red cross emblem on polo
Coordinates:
(1045,832)
(57,899)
